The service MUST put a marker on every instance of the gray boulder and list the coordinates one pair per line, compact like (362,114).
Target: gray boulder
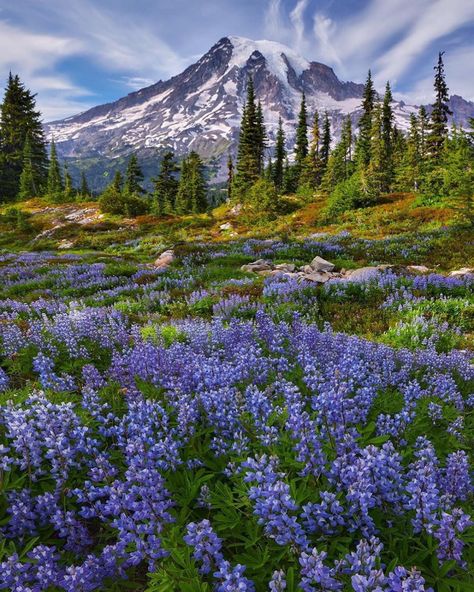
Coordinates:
(320,264)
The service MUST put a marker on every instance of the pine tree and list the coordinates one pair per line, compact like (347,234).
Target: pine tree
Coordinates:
(459,173)
(133,177)
(363,146)
(373,175)
(326,142)
(249,153)
(301,146)
(408,172)
(280,157)
(84,191)
(313,167)
(440,112)
(230,176)
(269,170)
(166,185)
(55,183)
(261,139)
(27,179)
(19,117)
(68,188)
(340,166)
(424,122)
(387,139)
(111,200)
(192,190)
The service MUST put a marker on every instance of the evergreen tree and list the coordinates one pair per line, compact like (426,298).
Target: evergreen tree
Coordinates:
(301,146)
(19,118)
(373,175)
(440,112)
(269,170)
(280,157)
(249,153)
(408,172)
(424,122)
(192,190)
(230,176)
(111,200)
(133,177)
(387,139)
(55,182)
(459,173)
(363,146)
(27,178)
(261,139)
(339,167)
(326,142)
(166,185)
(84,190)
(313,167)
(68,188)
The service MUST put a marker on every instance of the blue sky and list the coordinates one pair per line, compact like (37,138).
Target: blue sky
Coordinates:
(79,53)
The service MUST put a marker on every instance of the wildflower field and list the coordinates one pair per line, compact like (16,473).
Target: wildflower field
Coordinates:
(202,428)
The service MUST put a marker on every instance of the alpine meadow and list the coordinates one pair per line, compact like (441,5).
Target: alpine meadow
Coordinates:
(237,296)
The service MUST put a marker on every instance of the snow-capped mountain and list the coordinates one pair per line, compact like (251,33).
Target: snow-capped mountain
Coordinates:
(200,109)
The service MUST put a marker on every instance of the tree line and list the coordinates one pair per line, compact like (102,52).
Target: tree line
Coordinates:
(431,160)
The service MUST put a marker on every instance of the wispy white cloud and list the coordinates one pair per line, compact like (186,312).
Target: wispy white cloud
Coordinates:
(440,18)
(36,57)
(324,30)
(298,22)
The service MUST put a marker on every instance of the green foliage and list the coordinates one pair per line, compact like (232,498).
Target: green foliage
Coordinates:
(191,196)
(55,187)
(262,199)
(133,177)
(280,157)
(21,131)
(166,185)
(347,195)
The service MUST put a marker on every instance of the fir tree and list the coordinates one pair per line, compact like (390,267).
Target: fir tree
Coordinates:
(424,122)
(363,146)
(261,139)
(133,177)
(269,170)
(440,112)
(249,153)
(339,167)
(192,190)
(84,191)
(230,176)
(55,183)
(27,179)
(301,146)
(408,172)
(68,188)
(313,167)
(280,157)
(326,142)
(387,139)
(166,185)
(373,175)
(19,118)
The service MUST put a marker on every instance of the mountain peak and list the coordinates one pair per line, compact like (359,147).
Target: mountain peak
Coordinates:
(200,109)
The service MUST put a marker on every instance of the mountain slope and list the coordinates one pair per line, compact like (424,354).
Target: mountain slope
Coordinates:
(200,109)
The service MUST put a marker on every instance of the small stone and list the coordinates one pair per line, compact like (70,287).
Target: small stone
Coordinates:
(165,259)
(318,277)
(363,274)
(226,226)
(418,268)
(461,272)
(320,264)
(290,267)
(257,266)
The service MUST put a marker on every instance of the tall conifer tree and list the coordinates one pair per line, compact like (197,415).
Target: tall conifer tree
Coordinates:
(301,146)
(19,117)
(166,185)
(55,182)
(440,112)
(133,177)
(280,157)
(363,146)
